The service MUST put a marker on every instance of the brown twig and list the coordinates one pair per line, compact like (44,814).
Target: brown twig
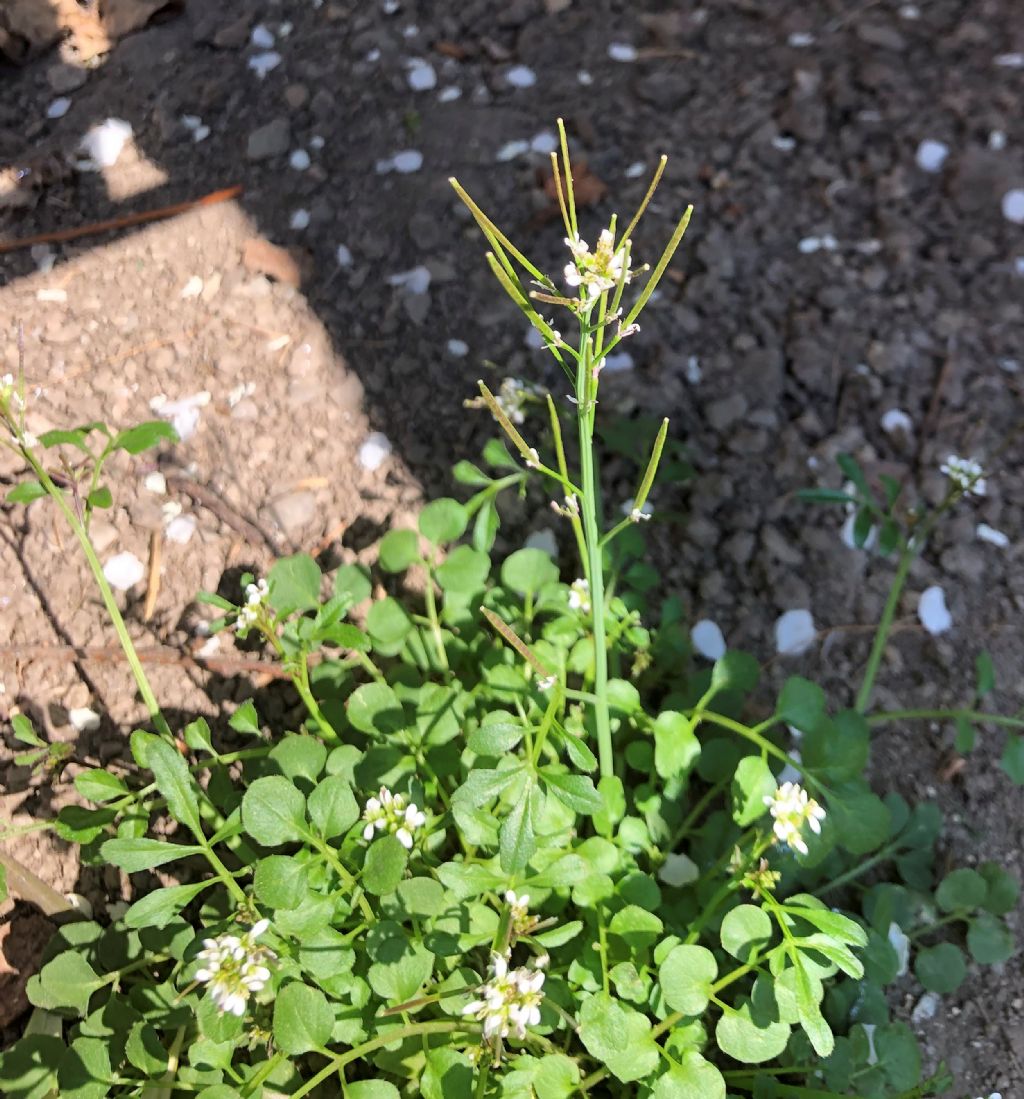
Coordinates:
(208,499)
(125,221)
(156,542)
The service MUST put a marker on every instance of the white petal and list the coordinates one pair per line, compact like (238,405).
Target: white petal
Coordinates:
(404,838)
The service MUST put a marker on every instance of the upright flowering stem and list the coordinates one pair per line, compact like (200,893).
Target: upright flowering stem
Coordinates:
(593,564)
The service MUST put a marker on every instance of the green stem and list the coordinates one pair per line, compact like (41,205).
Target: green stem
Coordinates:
(481,1078)
(861,868)
(595,565)
(399,1034)
(755,738)
(884,626)
(945,715)
(435,621)
(156,716)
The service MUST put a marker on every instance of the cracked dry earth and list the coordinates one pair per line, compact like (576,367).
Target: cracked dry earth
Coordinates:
(835,271)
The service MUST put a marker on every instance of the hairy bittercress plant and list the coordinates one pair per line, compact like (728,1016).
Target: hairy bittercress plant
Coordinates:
(422,890)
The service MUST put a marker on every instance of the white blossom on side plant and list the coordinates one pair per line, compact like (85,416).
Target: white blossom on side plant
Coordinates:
(509,1002)
(966,474)
(791,809)
(520,920)
(255,597)
(512,397)
(388,812)
(579,596)
(234,967)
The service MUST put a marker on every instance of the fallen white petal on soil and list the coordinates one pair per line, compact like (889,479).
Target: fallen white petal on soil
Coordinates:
(678,870)
(801,39)
(622,51)
(299,160)
(55,295)
(846,533)
(544,143)
(925,1008)
(415,281)
(997,141)
(545,540)
(1010,60)
(901,944)
(1013,206)
(521,76)
(783,143)
(343,255)
(421,76)
(408,160)
(794,633)
(932,610)
(896,421)
(183,414)
(458,348)
(869,1033)
(124,571)
(931,155)
(707,639)
(635,170)
(264,63)
(989,534)
(449,94)
(299,219)
(374,450)
(693,373)
(59,107)
(83,719)
(584,78)
(103,144)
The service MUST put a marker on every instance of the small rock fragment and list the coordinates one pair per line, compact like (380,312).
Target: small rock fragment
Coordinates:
(58,108)
(299,219)
(269,141)
(458,348)
(449,94)
(520,76)
(182,414)
(102,144)
(931,155)
(794,633)
(82,719)
(343,255)
(180,529)
(708,640)
(294,510)
(897,422)
(800,40)
(262,37)
(511,149)
(925,1008)
(299,160)
(193,288)
(622,51)
(932,610)
(124,571)
(421,76)
(264,63)
(374,450)
(1013,206)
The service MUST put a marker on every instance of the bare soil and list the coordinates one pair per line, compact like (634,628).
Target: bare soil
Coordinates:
(768,356)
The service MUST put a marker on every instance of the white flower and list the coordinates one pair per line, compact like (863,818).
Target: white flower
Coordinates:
(533,461)
(966,474)
(234,967)
(387,812)
(510,1001)
(579,596)
(598,271)
(520,919)
(641,515)
(512,397)
(248,615)
(792,809)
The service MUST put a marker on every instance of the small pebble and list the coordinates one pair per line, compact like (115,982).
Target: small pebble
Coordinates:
(692,372)
(794,633)
(299,219)
(925,1008)
(180,529)
(622,51)
(374,450)
(316,143)
(931,155)
(511,149)
(421,77)
(264,63)
(1010,60)
(458,348)
(59,107)
(896,421)
(343,255)
(635,170)
(449,94)
(262,38)
(55,296)
(193,288)
(124,571)
(410,160)
(784,143)
(932,610)
(801,39)
(83,720)
(997,141)
(707,639)
(520,76)
(156,482)
(1013,206)
(585,78)
(989,534)
(299,160)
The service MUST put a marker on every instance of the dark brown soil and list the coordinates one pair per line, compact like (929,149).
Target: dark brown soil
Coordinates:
(769,357)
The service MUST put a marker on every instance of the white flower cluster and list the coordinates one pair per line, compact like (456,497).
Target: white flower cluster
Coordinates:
(512,397)
(791,809)
(510,1001)
(579,596)
(520,920)
(255,597)
(387,812)
(966,474)
(234,967)
(598,271)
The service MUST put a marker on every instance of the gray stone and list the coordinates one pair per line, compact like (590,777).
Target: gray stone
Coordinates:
(724,412)
(294,511)
(273,139)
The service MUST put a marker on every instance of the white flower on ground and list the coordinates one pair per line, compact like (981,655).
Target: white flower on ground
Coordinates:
(791,809)
(255,597)
(966,474)
(510,1001)
(388,812)
(597,271)
(579,596)
(234,967)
